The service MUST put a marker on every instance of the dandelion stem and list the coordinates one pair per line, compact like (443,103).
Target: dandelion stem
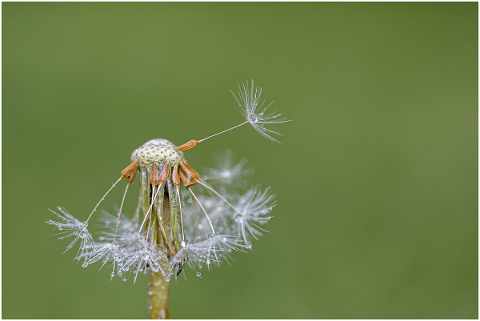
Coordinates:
(223,131)
(159,288)
(159,291)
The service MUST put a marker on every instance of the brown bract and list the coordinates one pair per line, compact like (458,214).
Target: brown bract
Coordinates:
(130,170)
(187,145)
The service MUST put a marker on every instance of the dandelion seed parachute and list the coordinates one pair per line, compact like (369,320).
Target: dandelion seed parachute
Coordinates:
(254,112)
(70,226)
(228,171)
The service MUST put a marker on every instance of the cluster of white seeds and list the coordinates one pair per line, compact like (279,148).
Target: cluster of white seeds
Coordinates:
(157,150)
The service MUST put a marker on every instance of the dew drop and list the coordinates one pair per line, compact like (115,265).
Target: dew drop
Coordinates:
(112,274)
(199,274)
(84,264)
(223,239)
(248,245)
(211,235)
(167,278)
(268,218)
(124,279)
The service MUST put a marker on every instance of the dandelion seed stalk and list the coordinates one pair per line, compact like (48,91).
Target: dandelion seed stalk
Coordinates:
(159,288)
(223,131)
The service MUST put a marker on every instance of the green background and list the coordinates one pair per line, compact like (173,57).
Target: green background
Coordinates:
(376,177)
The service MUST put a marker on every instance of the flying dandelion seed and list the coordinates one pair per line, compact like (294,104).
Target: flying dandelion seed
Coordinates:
(180,219)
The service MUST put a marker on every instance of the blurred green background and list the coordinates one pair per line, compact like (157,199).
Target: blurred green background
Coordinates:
(376,177)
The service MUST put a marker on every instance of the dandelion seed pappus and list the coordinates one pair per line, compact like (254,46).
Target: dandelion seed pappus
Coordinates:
(180,218)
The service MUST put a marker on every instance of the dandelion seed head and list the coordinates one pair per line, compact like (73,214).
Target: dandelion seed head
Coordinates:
(157,150)
(180,220)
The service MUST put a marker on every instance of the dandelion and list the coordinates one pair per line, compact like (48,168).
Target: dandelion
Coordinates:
(181,219)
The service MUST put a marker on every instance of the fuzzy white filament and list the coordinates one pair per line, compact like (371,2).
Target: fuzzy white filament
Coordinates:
(249,102)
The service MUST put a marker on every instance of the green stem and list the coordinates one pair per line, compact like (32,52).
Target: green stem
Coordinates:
(159,294)
(159,289)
